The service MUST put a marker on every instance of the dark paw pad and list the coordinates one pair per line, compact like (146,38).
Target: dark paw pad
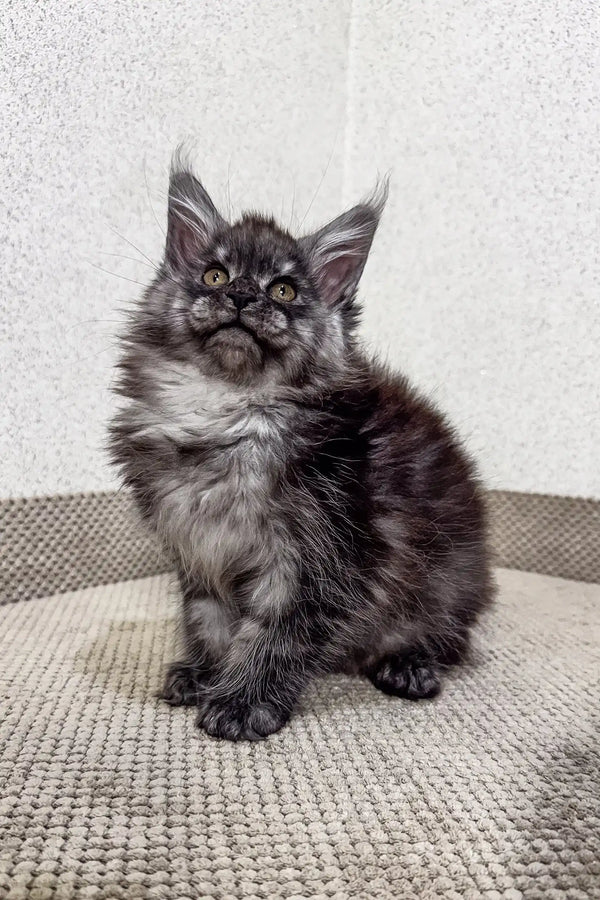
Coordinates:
(183,685)
(406,677)
(237,720)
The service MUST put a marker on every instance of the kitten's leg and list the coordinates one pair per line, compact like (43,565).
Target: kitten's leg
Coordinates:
(206,635)
(257,683)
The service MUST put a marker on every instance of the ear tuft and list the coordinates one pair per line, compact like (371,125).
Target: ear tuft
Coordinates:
(192,217)
(338,251)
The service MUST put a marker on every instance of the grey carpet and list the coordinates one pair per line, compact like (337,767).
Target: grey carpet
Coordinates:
(490,791)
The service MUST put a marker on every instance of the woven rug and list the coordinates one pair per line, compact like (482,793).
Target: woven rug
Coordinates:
(492,790)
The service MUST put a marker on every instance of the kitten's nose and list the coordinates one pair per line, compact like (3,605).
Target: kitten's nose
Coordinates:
(241,298)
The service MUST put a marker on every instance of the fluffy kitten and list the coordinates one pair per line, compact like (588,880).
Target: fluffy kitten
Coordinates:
(322,515)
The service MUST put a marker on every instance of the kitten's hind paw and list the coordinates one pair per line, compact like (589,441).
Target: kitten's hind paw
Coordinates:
(406,676)
(183,685)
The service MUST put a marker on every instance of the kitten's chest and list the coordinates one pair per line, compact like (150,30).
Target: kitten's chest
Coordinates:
(225,511)
(230,466)
(215,503)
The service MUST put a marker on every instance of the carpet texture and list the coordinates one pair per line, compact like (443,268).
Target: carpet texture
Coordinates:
(492,790)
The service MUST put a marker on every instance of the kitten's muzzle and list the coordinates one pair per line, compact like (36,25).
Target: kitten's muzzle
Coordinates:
(241,299)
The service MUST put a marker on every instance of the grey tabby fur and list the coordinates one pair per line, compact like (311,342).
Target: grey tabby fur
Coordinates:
(323,516)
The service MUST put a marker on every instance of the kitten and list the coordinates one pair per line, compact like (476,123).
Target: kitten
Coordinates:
(323,516)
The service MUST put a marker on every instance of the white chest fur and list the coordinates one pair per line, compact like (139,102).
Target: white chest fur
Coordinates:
(218,515)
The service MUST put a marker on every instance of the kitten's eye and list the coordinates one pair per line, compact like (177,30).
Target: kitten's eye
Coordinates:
(282,291)
(215,277)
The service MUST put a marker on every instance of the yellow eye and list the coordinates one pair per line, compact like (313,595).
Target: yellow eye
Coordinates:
(282,291)
(215,277)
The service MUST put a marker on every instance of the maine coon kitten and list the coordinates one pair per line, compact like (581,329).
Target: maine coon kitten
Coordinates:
(322,515)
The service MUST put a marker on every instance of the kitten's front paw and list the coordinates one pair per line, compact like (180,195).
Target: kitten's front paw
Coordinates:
(237,720)
(183,685)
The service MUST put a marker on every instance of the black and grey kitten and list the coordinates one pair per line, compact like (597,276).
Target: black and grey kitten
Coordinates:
(323,516)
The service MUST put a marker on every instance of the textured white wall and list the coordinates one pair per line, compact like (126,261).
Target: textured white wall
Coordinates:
(484,282)
(98,94)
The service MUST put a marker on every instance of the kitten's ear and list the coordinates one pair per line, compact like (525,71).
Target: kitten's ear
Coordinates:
(192,219)
(338,251)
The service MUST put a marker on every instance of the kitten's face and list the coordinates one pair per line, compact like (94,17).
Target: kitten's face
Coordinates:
(252,306)
(248,301)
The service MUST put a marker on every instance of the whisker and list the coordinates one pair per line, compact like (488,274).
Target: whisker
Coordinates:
(132,245)
(130,258)
(142,284)
(229,189)
(117,275)
(145,167)
(314,197)
(141,252)
(93,322)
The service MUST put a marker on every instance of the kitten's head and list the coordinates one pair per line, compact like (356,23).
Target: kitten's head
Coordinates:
(248,300)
